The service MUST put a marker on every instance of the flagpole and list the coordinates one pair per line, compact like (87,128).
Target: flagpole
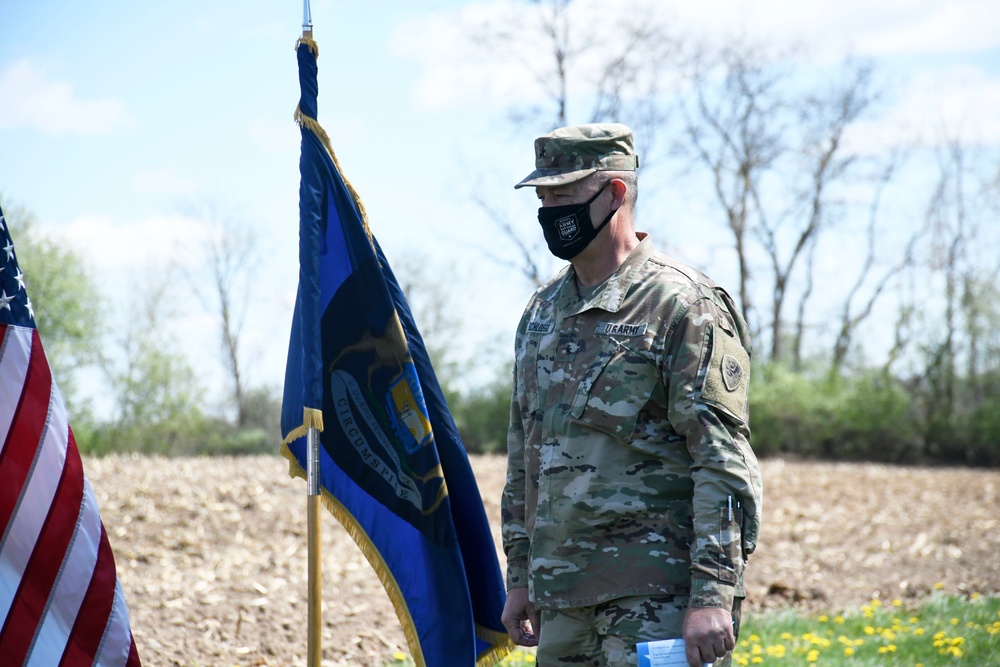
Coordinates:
(307,21)
(315,565)
(315,549)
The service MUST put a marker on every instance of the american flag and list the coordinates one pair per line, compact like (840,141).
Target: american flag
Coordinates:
(60,599)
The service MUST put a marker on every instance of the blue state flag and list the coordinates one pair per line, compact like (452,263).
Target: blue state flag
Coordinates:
(393,469)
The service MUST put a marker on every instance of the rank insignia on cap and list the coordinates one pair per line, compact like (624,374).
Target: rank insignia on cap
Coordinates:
(732,372)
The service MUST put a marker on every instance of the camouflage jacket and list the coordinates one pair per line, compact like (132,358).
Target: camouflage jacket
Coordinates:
(629,466)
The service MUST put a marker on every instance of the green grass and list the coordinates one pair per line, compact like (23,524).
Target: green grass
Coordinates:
(940,631)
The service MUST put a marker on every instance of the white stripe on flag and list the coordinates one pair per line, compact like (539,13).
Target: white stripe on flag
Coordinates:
(117,640)
(33,506)
(71,585)
(14,356)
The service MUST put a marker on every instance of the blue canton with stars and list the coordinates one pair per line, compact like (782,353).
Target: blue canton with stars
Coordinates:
(15,306)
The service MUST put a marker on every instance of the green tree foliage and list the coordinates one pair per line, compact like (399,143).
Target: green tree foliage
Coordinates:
(483,414)
(67,303)
(156,395)
(868,416)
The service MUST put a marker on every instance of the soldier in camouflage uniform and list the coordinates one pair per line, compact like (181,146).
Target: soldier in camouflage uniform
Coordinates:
(632,498)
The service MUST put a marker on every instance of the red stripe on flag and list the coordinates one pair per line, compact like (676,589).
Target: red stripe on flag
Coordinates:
(133,653)
(25,432)
(85,637)
(46,560)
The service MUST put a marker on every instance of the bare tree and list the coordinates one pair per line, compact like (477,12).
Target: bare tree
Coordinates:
(735,131)
(850,317)
(616,68)
(774,156)
(232,255)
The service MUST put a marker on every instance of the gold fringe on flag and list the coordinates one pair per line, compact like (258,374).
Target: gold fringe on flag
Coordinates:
(371,554)
(311,418)
(310,43)
(313,126)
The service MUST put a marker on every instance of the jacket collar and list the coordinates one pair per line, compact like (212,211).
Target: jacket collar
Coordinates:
(610,294)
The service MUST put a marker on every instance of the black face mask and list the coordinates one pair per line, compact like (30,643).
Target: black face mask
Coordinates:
(568,229)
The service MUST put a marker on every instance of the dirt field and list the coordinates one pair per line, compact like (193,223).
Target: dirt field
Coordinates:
(212,552)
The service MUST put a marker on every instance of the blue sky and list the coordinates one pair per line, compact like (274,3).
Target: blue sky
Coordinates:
(120,122)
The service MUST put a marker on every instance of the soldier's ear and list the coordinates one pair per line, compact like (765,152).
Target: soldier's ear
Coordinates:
(618,190)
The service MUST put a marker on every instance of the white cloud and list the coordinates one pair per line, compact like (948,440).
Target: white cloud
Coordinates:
(865,27)
(456,73)
(31,100)
(119,249)
(934,106)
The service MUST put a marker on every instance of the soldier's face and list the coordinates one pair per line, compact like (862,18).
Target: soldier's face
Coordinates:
(572,193)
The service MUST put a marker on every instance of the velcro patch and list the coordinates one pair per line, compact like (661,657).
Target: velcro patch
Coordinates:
(727,380)
(620,329)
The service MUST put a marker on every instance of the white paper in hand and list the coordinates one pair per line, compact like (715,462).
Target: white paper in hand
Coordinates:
(663,653)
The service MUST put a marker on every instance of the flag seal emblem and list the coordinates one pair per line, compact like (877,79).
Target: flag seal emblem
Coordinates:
(409,416)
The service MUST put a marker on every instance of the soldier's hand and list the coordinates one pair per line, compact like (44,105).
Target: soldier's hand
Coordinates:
(708,634)
(520,618)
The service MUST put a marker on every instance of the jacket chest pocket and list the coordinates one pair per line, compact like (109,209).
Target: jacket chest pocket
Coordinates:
(615,387)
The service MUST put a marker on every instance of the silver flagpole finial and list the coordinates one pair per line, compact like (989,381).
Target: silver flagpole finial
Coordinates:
(307,21)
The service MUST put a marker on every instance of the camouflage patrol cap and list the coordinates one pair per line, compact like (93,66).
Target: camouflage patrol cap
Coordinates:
(571,153)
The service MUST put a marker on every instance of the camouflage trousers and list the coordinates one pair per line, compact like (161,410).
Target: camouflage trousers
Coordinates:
(605,635)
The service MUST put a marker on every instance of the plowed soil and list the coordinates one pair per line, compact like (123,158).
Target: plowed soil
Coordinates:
(212,552)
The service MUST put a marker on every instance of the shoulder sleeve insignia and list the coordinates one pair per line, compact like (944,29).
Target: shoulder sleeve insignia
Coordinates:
(732,372)
(727,377)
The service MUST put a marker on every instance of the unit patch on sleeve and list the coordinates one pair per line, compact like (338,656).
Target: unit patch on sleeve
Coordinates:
(620,329)
(727,379)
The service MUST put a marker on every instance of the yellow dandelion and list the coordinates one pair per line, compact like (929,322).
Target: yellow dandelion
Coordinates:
(812,656)
(918,631)
(848,651)
(757,660)
(399,656)
(754,638)
(897,603)
(529,658)
(869,630)
(974,596)
(954,621)
(938,586)
(838,619)
(823,619)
